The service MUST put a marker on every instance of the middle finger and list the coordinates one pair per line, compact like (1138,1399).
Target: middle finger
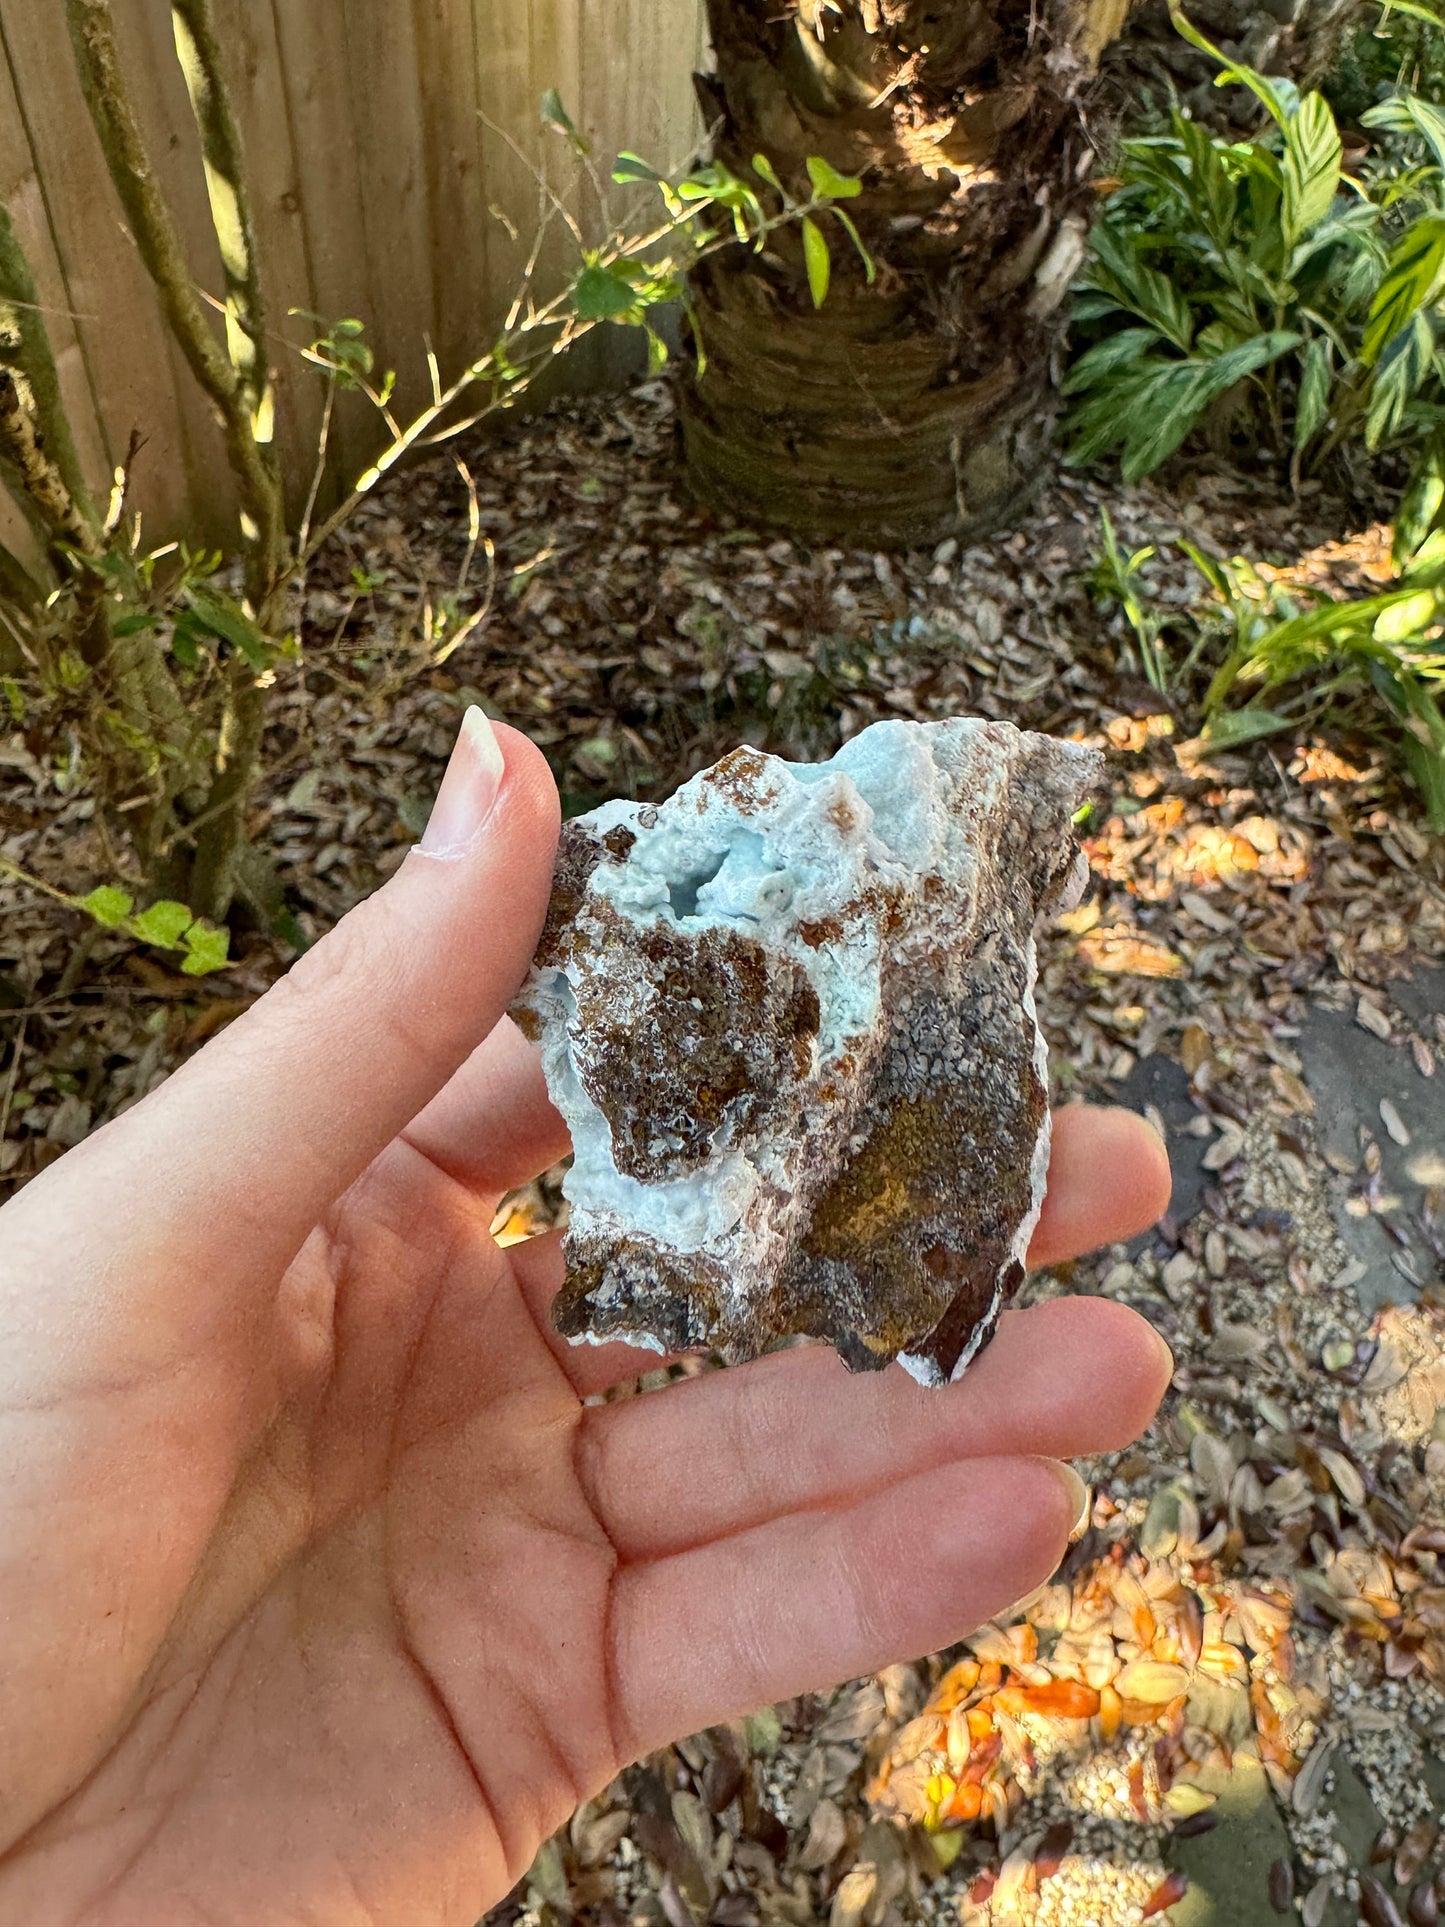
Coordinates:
(729,1450)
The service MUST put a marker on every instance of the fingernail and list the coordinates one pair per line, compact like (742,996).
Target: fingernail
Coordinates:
(1165,1350)
(469,787)
(1079,1500)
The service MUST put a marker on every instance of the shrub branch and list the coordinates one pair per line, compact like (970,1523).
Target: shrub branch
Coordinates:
(200,57)
(92,31)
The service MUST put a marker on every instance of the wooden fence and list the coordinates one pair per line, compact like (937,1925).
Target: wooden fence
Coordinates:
(379,138)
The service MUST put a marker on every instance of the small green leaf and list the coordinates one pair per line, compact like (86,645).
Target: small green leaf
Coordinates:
(765,171)
(817,259)
(828,183)
(184,646)
(207,949)
(554,114)
(163,923)
(224,618)
(632,167)
(1414,278)
(1408,114)
(1426,563)
(73,668)
(1420,508)
(1235,726)
(108,905)
(764,1731)
(1426,764)
(602,294)
(1403,366)
(134,625)
(1408,619)
(1311,167)
(1316,380)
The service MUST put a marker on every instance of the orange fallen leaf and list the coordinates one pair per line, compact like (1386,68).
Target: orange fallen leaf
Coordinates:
(957,1683)
(1061,1699)
(966,1804)
(1170,1891)
(1121,951)
(1110,1714)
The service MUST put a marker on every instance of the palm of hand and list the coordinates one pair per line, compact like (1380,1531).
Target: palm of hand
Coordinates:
(367,1694)
(449,1598)
(328,1592)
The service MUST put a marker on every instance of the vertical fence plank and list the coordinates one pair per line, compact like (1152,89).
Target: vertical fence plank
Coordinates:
(158,92)
(256,76)
(116,316)
(451,131)
(506,103)
(23,195)
(379,136)
(379,42)
(316,90)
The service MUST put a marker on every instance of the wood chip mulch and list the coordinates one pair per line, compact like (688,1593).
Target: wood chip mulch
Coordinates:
(1262,1580)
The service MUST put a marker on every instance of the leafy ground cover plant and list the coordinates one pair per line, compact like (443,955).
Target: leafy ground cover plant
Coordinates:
(1255,658)
(1277,288)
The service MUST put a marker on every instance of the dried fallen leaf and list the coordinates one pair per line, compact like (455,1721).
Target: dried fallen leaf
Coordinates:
(1152,1682)
(827,1836)
(1370,1017)
(854,1896)
(1309,1785)
(1393,1122)
(1170,1891)
(1194,1047)
(1060,1699)
(1387,1368)
(1423,1909)
(1012,1876)
(1121,951)
(1050,1853)
(1186,1801)
(1281,1886)
(1346,1475)
(1376,1907)
(1415,1849)
(1316,1901)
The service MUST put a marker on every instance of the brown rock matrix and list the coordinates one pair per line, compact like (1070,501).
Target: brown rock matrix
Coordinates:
(788,1016)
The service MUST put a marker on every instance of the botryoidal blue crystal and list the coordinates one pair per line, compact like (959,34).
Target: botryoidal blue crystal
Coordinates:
(789,1018)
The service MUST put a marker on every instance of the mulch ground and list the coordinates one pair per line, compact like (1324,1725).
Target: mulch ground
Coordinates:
(1262,1581)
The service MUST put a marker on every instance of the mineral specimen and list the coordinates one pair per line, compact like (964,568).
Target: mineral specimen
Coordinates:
(789,1018)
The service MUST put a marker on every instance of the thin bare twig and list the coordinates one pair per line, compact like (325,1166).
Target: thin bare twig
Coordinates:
(13,1078)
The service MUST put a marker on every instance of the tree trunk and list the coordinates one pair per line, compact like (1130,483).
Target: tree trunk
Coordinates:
(921,406)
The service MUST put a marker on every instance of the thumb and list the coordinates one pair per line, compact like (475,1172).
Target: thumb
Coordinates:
(248,1143)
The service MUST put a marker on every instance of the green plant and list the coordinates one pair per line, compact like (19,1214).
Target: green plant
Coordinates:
(165,925)
(1400,49)
(145,674)
(1119,578)
(1298,657)
(1295,656)
(1257,284)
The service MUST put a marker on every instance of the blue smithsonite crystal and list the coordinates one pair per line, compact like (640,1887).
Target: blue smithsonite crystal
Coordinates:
(788,1016)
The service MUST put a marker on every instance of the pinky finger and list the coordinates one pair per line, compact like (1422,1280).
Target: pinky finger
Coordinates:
(813,1598)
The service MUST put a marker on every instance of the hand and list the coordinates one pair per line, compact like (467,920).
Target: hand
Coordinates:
(325,1595)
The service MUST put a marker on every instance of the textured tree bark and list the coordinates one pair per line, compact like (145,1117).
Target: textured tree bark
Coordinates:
(921,406)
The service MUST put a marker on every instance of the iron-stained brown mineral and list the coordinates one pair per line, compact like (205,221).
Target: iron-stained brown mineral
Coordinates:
(788,1016)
